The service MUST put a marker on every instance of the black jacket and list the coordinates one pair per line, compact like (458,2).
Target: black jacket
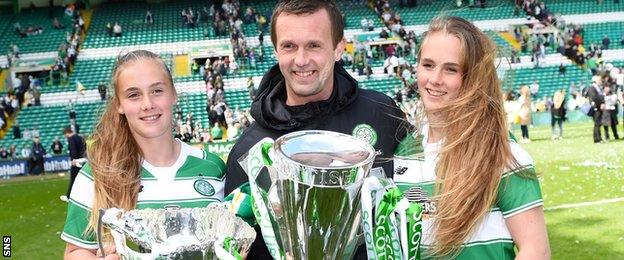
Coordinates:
(595,96)
(57,147)
(76,146)
(347,108)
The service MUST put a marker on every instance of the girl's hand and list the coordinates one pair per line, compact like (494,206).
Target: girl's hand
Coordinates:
(111,253)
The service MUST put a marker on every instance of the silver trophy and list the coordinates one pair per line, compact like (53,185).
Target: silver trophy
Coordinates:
(307,203)
(212,232)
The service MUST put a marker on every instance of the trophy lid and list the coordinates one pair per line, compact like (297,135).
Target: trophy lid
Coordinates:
(324,149)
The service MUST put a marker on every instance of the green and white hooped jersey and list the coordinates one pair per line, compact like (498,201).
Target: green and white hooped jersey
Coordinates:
(196,179)
(414,173)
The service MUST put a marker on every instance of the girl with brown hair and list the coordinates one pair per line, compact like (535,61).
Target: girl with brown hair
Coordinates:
(134,161)
(478,188)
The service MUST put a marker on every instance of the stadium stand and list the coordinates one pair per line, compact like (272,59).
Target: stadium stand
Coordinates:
(48,40)
(168,36)
(50,120)
(584,7)
(422,14)
(596,31)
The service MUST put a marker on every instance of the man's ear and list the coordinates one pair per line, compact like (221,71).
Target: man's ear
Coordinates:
(275,52)
(340,48)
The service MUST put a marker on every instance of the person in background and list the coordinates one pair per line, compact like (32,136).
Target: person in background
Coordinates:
(149,18)
(558,113)
(17,132)
(102,88)
(38,157)
(77,148)
(57,146)
(597,99)
(525,113)
(609,113)
(4,154)
(117,29)
(13,151)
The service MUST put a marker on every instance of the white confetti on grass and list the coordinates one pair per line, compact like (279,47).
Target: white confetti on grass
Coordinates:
(607,165)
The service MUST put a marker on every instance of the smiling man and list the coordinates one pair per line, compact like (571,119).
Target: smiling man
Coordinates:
(308,90)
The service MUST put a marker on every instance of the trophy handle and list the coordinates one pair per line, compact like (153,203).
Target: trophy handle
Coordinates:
(226,248)
(252,163)
(391,224)
(99,232)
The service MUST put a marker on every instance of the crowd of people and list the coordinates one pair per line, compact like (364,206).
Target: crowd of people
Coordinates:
(600,100)
(605,95)
(34,152)
(224,124)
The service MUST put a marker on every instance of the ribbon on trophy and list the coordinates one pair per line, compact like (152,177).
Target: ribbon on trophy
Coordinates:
(258,159)
(392,225)
(225,249)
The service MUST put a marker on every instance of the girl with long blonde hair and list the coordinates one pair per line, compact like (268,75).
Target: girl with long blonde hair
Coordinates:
(478,188)
(134,161)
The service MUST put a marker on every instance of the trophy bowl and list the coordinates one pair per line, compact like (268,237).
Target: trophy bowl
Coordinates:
(212,232)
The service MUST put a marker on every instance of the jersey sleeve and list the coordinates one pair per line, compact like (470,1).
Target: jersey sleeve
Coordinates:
(79,209)
(216,161)
(519,189)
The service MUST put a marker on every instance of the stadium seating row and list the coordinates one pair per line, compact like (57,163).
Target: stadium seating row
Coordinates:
(49,40)
(50,120)
(168,28)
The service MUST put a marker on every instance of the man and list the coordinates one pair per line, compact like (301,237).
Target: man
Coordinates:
(102,90)
(596,97)
(305,91)
(17,133)
(37,157)
(76,151)
(57,146)
(149,18)
(606,42)
(4,154)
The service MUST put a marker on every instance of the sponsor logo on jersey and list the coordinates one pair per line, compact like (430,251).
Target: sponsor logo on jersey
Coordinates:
(416,194)
(400,170)
(204,187)
(366,133)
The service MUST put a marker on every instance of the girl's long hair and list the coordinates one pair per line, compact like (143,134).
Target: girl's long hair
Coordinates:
(114,155)
(475,151)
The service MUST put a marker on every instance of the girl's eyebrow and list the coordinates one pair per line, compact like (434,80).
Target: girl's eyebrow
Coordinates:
(445,63)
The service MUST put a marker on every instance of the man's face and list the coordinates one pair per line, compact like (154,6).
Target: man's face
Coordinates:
(306,55)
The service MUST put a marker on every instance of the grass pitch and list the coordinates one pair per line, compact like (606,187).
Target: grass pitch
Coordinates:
(573,170)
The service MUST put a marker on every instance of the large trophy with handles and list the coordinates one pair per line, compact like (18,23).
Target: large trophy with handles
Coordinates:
(308,201)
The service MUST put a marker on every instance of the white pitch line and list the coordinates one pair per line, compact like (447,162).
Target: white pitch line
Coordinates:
(584,204)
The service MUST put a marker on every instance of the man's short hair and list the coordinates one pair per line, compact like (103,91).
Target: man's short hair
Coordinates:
(67,130)
(299,7)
